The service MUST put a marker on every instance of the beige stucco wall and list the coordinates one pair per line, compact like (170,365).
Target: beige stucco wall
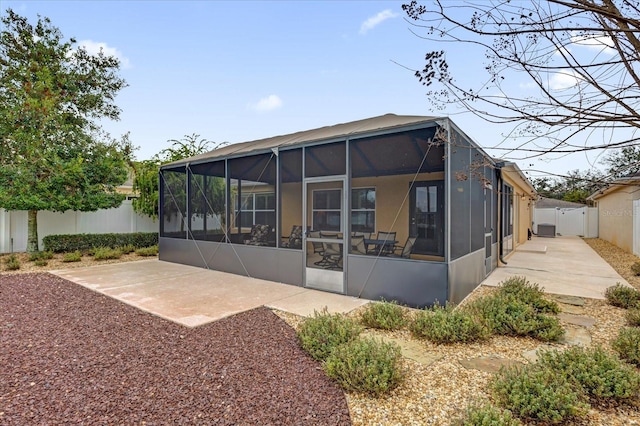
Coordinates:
(523,196)
(392,200)
(615,216)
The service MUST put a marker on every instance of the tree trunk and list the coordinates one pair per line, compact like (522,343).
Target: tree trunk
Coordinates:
(32,235)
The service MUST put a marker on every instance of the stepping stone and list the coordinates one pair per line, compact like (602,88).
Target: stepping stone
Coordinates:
(577,336)
(581,320)
(570,309)
(532,355)
(568,300)
(489,364)
(410,349)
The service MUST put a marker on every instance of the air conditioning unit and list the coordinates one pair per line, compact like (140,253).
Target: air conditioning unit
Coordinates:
(546,230)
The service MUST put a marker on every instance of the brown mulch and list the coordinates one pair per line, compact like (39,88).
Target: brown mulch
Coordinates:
(69,355)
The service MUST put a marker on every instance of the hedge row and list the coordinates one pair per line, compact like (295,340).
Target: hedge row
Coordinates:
(84,242)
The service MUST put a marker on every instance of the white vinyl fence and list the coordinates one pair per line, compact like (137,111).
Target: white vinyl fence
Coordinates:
(13,224)
(581,221)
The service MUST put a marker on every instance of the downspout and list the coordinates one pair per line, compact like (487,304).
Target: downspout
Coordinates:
(500,215)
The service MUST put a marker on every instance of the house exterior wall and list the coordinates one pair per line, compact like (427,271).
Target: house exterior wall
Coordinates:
(522,207)
(615,216)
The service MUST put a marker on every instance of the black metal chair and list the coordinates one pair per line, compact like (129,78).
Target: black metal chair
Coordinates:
(389,239)
(405,250)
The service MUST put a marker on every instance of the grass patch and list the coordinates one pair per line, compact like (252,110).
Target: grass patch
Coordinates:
(74,256)
(366,365)
(127,248)
(322,333)
(622,296)
(633,316)
(444,324)
(11,263)
(40,255)
(508,316)
(627,344)
(147,251)
(41,262)
(598,374)
(106,253)
(488,415)
(537,393)
(384,315)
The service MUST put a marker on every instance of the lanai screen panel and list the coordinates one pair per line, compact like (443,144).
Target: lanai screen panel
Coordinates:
(291,198)
(460,177)
(207,190)
(390,174)
(253,200)
(173,198)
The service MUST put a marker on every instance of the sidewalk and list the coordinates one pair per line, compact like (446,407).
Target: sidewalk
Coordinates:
(562,265)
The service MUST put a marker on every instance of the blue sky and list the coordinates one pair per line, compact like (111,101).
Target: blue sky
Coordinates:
(238,71)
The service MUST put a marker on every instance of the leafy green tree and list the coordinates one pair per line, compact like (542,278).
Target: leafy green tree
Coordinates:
(53,155)
(624,162)
(146,184)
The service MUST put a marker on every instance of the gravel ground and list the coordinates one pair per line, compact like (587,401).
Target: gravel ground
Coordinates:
(56,263)
(136,368)
(72,356)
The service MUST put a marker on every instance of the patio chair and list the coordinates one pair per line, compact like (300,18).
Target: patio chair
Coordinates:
(332,253)
(259,235)
(406,249)
(294,241)
(357,244)
(387,248)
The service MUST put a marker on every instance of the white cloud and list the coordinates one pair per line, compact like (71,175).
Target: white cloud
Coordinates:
(375,20)
(597,41)
(267,104)
(93,47)
(563,80)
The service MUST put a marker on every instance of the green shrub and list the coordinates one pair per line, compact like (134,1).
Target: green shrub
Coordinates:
(488,415)
(384,315)
(147,251)
(535,392)
(127,248)
(505,315)
(84,242)
(622,296)
(627,344)
(444,324)
(633,316)
(519,288)
(105,253)
(11,263)
(366,365)
(41,262)
(635,268)
(40,255)
(322,333)
(74,256)
(597,373)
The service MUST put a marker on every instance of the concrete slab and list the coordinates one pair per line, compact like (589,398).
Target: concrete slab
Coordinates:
(569,267)
(194,296)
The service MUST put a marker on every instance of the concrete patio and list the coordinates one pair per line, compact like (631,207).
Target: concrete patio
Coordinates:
(562,265)
(194,296)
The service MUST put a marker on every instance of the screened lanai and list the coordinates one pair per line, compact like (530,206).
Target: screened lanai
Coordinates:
(400,207)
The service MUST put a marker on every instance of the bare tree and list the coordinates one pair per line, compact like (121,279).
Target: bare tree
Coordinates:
(580,61)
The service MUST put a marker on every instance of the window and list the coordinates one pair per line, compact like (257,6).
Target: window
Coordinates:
(327,210)
(258,208)
(363,210)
